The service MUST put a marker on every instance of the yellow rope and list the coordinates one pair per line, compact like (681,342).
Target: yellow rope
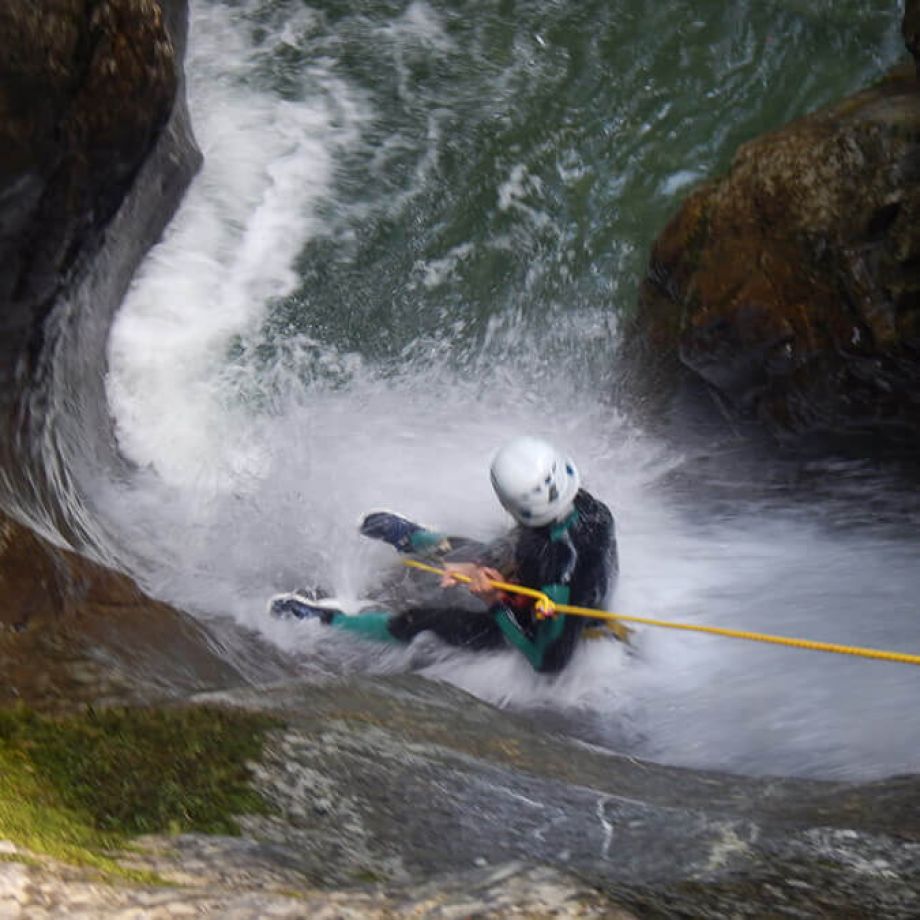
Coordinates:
(616,618)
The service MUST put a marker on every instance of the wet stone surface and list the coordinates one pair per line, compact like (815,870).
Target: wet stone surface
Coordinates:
(510,890)
(399,797)
(399,780)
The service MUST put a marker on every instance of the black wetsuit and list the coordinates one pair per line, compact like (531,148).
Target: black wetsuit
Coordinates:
(572,562)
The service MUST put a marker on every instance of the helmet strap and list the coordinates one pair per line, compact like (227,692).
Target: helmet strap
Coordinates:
(560,528)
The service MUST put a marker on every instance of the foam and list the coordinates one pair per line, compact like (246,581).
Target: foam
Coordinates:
(251,475)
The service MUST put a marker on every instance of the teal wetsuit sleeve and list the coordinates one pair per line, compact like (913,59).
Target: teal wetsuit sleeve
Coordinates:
(545,633)
(372,624)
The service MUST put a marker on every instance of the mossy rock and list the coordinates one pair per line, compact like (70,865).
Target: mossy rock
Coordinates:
(78,787)
(790,286)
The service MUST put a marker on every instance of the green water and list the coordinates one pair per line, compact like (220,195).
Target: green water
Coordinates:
(517,159)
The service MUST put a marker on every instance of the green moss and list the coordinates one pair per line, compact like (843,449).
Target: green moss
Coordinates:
(77,787)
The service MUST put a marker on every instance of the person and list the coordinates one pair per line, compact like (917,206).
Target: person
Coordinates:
(564,545)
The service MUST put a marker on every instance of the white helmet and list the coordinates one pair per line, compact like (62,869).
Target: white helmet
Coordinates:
(533,481)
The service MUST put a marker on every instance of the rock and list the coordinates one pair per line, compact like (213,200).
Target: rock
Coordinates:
(441,806)
(95,155)
(791,285)
(910,29)
(85,91)
(73,632)
(514,890)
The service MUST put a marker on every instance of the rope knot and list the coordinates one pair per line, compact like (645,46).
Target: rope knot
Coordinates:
(544,608)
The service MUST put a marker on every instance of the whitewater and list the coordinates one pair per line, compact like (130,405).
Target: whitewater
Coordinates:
(412,238)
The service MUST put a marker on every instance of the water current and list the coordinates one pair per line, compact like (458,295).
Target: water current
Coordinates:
(417,227)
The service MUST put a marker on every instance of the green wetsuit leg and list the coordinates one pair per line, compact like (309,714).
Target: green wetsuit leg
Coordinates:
(371,624)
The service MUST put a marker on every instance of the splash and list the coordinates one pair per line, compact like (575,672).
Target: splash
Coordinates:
(410,240)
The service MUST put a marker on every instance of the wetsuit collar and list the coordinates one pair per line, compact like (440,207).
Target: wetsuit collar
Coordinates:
(558,530)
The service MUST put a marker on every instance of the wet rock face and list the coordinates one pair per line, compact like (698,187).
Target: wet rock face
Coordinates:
(84,90)
(398,797)
(95,155)
(206,887)
(910,28)
(74,633)
(792,285)
(399,780)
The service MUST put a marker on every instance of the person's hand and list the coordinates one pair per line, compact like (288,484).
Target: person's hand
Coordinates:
(479,583)
(457,573)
